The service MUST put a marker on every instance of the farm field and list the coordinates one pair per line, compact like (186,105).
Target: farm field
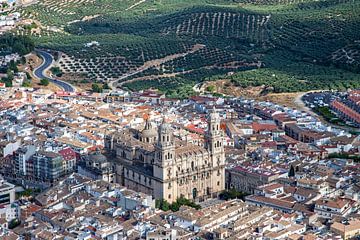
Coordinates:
(281,45)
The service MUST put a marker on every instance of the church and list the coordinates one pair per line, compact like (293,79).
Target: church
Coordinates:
(155,162)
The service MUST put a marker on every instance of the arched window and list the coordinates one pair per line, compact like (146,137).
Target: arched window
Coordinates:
(192,166)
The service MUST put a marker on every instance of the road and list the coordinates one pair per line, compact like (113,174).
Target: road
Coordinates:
(41,71)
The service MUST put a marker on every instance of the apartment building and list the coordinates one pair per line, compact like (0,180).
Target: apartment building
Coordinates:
(48,165)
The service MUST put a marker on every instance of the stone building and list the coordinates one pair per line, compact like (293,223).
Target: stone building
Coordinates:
(247,179)
(96,166)
(155,162)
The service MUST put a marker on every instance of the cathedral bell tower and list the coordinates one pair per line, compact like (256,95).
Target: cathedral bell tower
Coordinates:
(215,146)
(164,166)
(165,148)
(214,136)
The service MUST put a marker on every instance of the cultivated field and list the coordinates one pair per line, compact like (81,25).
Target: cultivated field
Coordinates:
(284,45)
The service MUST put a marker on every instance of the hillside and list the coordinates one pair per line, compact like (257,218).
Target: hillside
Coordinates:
(285,45)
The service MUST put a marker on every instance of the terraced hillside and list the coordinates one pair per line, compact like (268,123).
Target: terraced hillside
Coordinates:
(286,45)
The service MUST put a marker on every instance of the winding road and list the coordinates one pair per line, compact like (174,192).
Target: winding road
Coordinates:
(40,72)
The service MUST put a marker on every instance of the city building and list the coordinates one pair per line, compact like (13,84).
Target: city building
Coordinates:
(347,230)
(7,192)
(96,166)
(48,166)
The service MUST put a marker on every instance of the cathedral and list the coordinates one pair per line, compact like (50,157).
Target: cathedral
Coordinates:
(155,162)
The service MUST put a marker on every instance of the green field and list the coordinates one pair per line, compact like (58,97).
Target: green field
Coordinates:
(286,45)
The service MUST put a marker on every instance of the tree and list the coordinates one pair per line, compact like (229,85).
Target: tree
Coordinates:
(210,88)
(106,86)
(162,204)
(28,76)
(175,206)
(96,88)
(44,82)
(26,84)
(14,223)
(56,71)
(292,171)
(232,194)
(8,83)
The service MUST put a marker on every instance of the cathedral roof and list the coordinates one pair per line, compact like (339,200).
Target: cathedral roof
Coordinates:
(183,148)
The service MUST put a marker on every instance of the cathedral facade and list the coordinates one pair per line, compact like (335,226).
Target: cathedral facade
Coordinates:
(155,162)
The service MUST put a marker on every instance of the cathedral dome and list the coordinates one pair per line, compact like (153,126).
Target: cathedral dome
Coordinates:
(149,131)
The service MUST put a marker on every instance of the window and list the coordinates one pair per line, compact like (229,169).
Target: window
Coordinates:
(218,183)
(194,193)
(169,196)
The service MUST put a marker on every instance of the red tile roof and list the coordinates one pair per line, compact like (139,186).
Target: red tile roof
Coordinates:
(68,154)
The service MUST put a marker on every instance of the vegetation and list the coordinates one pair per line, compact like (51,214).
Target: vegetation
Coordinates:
(56,71)
(232,194)
(10,70)
(15,44)
(329,115)
(345,156)
(26,193)
(14,223)
(96,88)
(291,171)
(284,45)
(210,88)
(26,84)
(44,82)
(165,206)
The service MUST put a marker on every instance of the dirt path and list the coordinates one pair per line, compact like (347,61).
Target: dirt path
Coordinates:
(155,63)
(135,4)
